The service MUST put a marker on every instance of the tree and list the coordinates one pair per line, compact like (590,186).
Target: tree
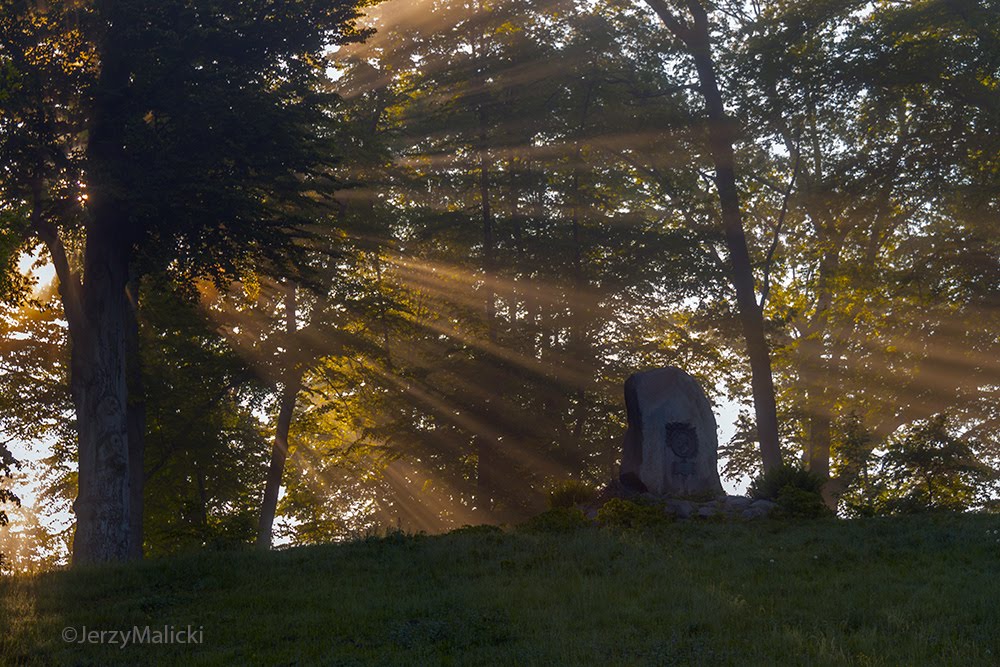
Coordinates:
(874,315)
(587,267)
(927,467)
(205,132)
(205,449)
(694,32)
(7,464)
(34,401)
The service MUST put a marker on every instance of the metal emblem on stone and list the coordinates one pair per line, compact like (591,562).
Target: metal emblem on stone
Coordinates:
(683,441)
(671,445)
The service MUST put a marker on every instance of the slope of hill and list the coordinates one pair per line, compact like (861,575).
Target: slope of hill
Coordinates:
(913,591)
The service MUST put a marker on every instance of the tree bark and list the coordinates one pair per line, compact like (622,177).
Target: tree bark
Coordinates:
(97,329)
(485,444)
(102,506)
(721,135)
(817,370)
(489,244)
(485,455)
(136,417)
(279,449)
(383,309)
(580,305)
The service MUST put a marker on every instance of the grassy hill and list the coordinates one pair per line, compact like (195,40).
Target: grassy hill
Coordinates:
(914,591)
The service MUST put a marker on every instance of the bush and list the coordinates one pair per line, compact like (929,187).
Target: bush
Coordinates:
(801,504)
(571,492)
(556,520)
(479,529)
(770,484)
(796,490)
(928,466)
(625,514)
(931,467)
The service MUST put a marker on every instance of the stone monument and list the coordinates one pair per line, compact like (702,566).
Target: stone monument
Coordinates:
(671,445)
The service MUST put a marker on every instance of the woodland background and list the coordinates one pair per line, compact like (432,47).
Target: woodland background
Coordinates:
(428,252)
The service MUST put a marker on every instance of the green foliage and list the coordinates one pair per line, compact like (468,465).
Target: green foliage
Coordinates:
(795,489)
(505,215)
(7,464)
(481,529)
(798,503)
(887,264)
(622,514)
(202,135)
(926,467)
(34,402)
(571,492)
(523,219)
(740,456)
(13,240)
(206,451)
(556,520)
(770,484)
(225,129)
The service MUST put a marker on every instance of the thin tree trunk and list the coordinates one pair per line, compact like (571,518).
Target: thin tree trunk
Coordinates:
(582,315)
(489,249)
(816,370)
(751,317)
(579,305)
(202,499)
(136,417)
(484,444)
(721,136)
(483,501)
(279,449)
(819,414)
(383,309)
(516,216)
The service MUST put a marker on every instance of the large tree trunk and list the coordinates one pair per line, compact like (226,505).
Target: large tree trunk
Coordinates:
(721,136)
(99,322)
(103,520)
(279,450)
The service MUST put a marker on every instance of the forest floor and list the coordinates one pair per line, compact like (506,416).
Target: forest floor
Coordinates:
(908,591)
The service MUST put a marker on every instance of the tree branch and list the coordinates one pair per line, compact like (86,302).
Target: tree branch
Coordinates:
(769,259)
(70,288)
(680,29)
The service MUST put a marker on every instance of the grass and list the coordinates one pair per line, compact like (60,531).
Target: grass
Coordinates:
(913,591)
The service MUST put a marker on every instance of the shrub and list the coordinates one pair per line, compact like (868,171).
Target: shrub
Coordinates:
(625,514)
(571,492)
(796,490)
(931,467)
(801,504)
(770,484)
(480,529)
(928,466)
(556,520)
